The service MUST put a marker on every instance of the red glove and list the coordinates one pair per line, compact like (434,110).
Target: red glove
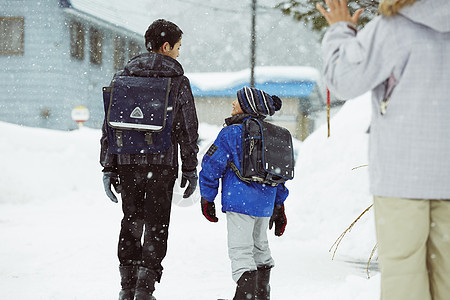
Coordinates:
(209,210)
(279,218)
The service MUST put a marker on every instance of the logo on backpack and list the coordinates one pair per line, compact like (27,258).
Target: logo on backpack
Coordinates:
(138,114)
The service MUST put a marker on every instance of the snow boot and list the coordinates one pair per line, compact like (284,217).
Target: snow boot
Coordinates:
(128,277)
(145,285)
(246,286)
(262,283)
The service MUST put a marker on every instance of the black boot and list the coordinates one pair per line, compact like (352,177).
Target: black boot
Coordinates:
(128,277)
(246,286)
(145,285)
(262,283)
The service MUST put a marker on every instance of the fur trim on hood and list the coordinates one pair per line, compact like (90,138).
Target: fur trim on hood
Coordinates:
(390,8)
(430,13)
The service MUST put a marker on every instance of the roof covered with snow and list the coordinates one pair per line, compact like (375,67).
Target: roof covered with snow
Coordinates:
(287,81)
(134,16)
(216,33)
(112,12)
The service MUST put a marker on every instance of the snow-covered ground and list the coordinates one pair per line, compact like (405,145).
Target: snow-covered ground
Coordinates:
(58,231)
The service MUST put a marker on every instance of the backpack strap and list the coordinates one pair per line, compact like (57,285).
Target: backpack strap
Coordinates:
(119,138)
(236,171)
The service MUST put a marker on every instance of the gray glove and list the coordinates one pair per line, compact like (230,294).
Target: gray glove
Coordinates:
(192,178)
(111,178)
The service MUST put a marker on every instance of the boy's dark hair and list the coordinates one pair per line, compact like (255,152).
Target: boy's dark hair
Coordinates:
(161,31)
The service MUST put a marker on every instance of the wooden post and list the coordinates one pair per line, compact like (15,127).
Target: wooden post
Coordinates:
(328,111)
(253,46)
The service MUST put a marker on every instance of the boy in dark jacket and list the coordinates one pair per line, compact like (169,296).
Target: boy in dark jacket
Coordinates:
(248,206)
(146,181)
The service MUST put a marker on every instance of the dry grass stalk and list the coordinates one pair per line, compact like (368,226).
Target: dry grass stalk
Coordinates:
(362,166)
(339,239)
(370,258)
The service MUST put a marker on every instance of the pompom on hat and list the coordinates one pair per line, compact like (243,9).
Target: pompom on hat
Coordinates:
(257,102)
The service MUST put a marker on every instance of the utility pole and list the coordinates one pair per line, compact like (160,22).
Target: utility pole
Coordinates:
(253,46)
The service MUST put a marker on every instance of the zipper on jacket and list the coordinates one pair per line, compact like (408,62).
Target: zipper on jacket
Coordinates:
(390,85)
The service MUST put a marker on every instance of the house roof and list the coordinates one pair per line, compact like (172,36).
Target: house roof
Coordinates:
(108,14)
(286,81)
(132,17)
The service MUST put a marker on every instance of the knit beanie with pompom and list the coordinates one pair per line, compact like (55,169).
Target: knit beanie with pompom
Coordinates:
(257,102)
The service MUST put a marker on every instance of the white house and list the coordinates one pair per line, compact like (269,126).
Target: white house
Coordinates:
(58,54)
(55,56)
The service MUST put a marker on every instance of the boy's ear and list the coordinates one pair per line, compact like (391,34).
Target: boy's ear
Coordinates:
(166,47)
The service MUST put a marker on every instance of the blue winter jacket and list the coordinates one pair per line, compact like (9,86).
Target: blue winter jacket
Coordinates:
(253,198)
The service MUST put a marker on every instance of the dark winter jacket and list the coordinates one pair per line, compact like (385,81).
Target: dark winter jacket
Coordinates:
(185,122)
(253,198)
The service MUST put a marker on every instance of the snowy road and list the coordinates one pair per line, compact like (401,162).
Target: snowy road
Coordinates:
(59,232)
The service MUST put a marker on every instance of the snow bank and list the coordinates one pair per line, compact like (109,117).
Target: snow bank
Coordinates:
(59,231)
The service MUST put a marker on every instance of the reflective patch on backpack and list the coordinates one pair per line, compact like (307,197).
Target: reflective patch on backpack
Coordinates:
(137,113)
(211,150)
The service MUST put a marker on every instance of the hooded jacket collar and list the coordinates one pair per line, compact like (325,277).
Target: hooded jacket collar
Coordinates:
(240,118)
(153,64)
(431,13)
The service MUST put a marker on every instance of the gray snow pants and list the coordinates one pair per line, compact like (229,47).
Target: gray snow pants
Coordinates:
(248,247)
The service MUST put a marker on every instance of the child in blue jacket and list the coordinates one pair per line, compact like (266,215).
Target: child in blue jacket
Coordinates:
(249,207)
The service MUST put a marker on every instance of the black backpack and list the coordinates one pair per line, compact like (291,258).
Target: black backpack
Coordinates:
(138,112)
(267,153)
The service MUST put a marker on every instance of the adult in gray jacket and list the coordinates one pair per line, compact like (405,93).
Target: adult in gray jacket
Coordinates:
(403,57)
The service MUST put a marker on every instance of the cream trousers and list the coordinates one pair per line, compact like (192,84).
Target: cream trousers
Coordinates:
(413,248)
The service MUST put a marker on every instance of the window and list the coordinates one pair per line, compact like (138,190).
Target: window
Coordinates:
(96,41)
(11,35)
(119,53)
(77,40)
(133,50)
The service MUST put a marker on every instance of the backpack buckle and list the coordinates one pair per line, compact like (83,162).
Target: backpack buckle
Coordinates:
(119,138)
(148,138)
